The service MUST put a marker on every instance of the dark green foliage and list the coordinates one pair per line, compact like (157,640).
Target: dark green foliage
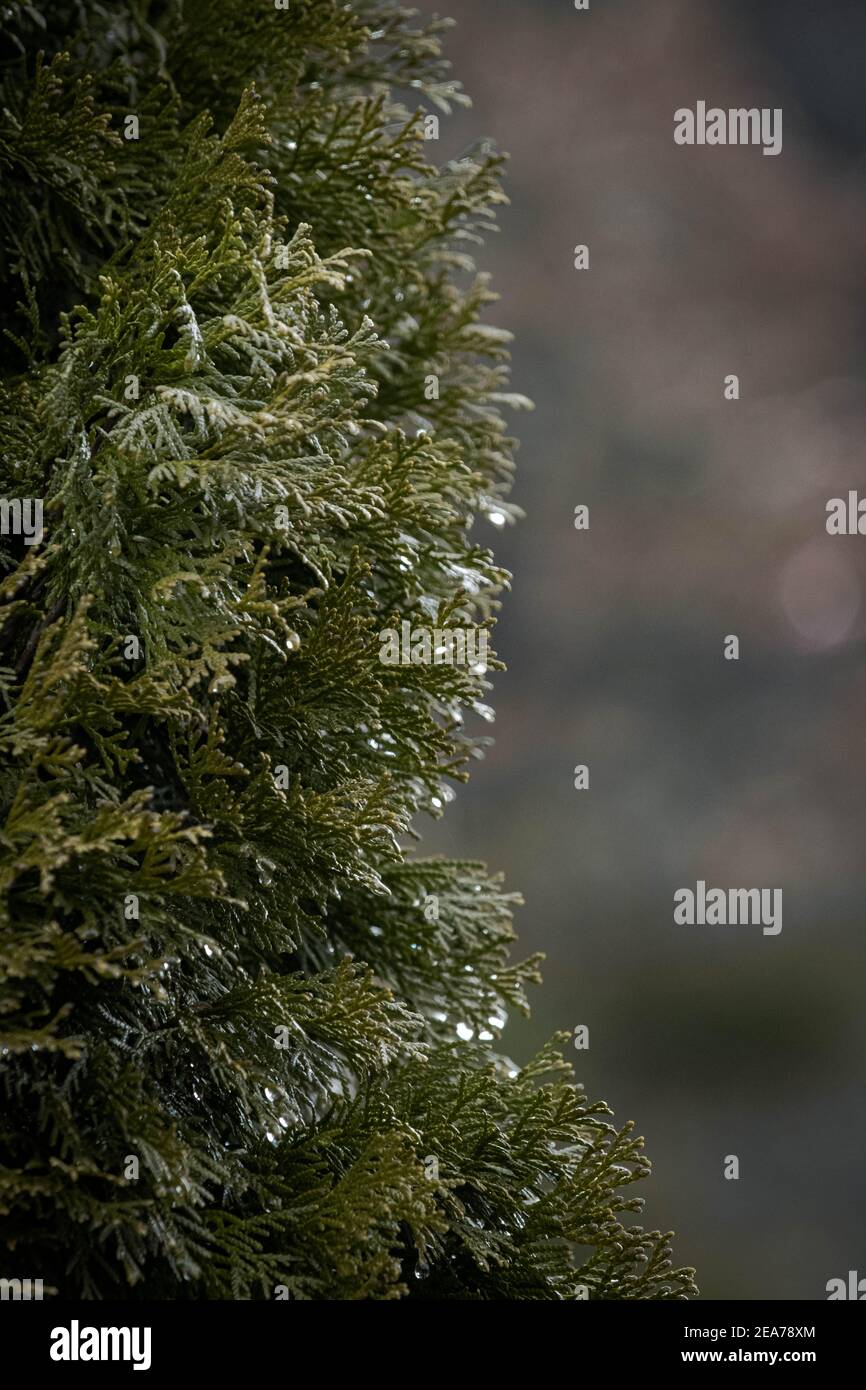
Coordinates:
(216,344)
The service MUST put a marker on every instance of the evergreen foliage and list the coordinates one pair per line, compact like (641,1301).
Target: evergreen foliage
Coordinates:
(218,955)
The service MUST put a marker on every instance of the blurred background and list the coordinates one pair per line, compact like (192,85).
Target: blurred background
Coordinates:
(706,518)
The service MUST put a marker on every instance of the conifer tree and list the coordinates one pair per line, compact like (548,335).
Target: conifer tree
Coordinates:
(248,1036)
